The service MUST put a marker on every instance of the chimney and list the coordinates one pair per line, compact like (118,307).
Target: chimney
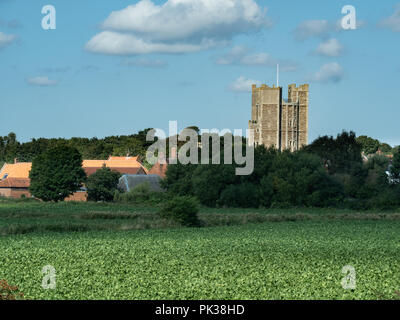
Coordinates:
(173,153)
(15,160)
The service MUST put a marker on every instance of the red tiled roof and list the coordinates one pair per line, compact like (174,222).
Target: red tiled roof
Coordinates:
(159,169)
(16,170)
(15,183)
(114,163)
(124,170)
(112,158)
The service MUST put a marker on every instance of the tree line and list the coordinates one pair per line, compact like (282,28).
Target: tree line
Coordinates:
(94,148)
(330,172)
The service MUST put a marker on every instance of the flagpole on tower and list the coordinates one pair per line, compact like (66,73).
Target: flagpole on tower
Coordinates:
(277,75)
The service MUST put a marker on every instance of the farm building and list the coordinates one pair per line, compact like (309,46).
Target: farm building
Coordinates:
(14,178)
(124,165)
(161,166)
(159,169)
(128,182)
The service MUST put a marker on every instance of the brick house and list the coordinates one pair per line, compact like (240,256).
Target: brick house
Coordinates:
(14,178)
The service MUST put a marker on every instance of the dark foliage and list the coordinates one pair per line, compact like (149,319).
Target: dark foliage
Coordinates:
(181,209)
(141,194)
(93,148)
(369,145)
(328,173)
(101,185)
(56,174)
(339,155)
(395,168)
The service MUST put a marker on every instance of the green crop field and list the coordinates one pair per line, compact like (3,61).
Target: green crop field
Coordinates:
(271,259)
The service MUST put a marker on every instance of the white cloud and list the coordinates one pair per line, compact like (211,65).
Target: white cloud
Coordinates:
(6,39)
(115,43)
(312,28)
(330,48)
(42,81)
(258,59)
(393,22)
(144,62)
(232,57)
(177,26)
(243,84)
(330,72)
(322,29)
(183,19)
(240,55)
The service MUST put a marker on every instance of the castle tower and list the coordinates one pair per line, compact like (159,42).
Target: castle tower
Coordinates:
(279,123)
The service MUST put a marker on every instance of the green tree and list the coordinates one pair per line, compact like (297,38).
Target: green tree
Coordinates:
(101,185)
(9,147)
(395,167)
(340,155)
(384,147)
(369,145)
(56,173)
(298,179)
(373,178)
(210,180)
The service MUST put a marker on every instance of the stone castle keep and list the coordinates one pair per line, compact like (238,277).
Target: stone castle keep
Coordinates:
(277,122)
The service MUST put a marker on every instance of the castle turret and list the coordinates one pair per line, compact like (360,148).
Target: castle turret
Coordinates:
(279,123)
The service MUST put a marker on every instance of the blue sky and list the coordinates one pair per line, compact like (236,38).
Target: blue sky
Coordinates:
(100,74)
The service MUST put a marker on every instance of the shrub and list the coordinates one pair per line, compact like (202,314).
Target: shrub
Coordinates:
(181,209)
(8,292)
(102,185)
(141,194)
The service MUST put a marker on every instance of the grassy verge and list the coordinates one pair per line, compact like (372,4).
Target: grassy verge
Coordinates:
(27,216)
